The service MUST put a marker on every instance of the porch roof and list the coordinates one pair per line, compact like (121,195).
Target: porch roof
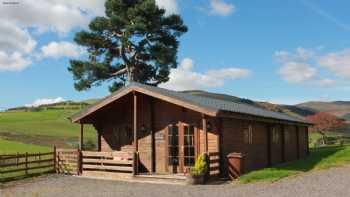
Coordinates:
(208,106)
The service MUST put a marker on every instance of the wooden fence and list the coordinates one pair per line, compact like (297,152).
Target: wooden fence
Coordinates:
(107,161)
(68,161)
(25,164)
(214,164)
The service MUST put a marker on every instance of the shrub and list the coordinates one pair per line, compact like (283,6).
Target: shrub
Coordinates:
(200,166)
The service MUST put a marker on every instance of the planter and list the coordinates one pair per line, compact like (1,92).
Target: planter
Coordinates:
(196,179)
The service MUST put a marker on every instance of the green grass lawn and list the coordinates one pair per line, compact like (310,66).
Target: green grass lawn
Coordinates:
(320,158)
(45,127)
(11,147)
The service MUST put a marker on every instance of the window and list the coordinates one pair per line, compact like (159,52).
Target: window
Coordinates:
(189,155)
(248,135)
(173,145)
(275,135)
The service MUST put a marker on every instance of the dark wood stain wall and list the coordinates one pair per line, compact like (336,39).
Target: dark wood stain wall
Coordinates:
(290,143)
(276,144)
(256,150)
(252,138)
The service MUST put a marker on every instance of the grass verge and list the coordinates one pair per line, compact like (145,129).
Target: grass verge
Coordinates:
(320,158)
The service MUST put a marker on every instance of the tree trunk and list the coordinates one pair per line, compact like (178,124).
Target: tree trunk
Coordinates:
(324,138)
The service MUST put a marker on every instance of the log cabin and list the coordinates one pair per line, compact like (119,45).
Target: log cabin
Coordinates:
(166,130)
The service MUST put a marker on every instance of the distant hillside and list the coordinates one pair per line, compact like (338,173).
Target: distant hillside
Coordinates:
(66,105)
(338,108)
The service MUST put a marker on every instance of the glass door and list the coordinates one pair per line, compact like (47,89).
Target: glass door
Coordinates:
(189,146)
(181,147)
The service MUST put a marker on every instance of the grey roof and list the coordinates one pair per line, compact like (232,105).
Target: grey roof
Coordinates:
(205,102)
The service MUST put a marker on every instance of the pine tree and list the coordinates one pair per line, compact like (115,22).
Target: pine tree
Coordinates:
(135,41)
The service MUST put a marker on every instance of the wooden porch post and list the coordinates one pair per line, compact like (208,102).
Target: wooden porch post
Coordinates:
(136,144)
(153,144)
(98,141)
(81,138)
(205,131)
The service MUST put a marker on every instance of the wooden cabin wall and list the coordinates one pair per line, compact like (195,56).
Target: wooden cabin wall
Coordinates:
(166,114)
(256,151)
(236,139)
(276,144)
(303,141)
(115,124)
(290,142)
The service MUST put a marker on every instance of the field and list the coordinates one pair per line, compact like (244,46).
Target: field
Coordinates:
(43,128)
(319,158)
(12,147)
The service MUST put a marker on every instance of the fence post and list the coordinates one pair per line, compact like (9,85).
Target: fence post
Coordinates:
(39,155)
(26,164)
(79,164)
(54,159)
(17,158)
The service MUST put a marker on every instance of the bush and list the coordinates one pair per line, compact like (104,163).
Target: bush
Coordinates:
(200,166)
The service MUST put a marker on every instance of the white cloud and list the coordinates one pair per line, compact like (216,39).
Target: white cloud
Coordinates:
(13,38)
(43,15)
(45,101)
(17,21)
(184,78)
(337,62)
(295,72)
(61,49)
(326,82)
(300,54)
(170,6)
(219,7)
(13,61)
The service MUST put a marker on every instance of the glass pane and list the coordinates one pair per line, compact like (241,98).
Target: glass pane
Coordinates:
(191,130)
(173,130)
(191,161)
(187,140)
(186,130)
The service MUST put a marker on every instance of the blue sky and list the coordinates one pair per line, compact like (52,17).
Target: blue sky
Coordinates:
(279,51)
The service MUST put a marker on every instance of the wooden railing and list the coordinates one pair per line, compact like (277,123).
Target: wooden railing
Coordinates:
(214,164)
(107,161)
(68,161)
(25,164)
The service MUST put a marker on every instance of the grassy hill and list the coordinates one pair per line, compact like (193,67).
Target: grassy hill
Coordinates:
(43,126)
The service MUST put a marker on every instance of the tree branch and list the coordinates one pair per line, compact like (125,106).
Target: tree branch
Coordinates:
(119,72)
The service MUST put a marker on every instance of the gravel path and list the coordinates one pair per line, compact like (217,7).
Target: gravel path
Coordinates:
(332,182)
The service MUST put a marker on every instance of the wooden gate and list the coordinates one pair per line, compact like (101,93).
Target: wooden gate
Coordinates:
(68,161)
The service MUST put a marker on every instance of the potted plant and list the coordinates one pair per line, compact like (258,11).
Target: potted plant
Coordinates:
(197,174)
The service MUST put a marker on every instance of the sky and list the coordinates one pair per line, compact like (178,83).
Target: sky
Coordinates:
(288,52)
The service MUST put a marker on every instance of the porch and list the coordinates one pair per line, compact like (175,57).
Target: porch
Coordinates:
(115,165)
